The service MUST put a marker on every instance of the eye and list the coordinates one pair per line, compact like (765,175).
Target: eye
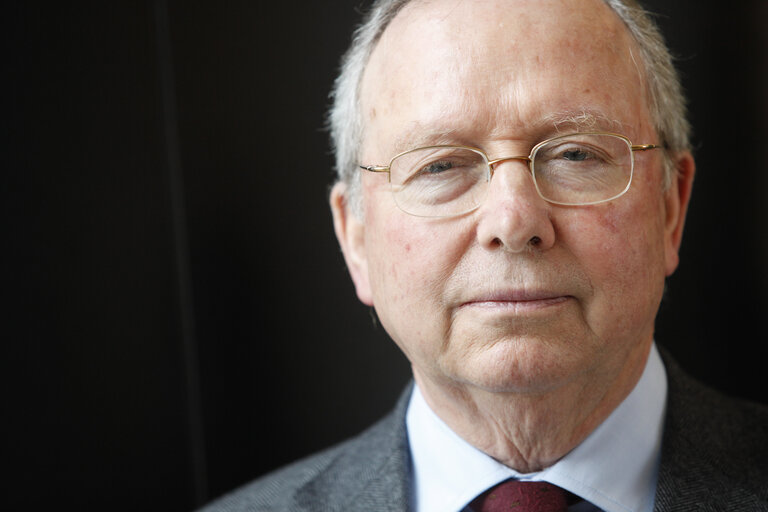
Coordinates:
(437,181)
(583,168)
(436,167)
(575,155)
(436,163)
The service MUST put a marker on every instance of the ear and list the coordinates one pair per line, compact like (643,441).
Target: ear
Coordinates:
(676,202)
(350,232)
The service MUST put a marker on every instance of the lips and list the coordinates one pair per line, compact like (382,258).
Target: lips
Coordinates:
(518,300)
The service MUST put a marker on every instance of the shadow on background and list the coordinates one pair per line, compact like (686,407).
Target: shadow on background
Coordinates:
(178,317)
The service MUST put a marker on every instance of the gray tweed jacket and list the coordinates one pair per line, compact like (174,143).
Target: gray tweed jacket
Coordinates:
(714,458)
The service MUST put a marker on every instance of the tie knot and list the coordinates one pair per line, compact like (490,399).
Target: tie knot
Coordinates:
(516,496)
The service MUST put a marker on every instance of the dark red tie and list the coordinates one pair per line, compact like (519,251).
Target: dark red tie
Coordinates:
(516,496)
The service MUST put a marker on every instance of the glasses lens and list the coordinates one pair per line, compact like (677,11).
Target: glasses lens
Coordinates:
(583,169)
(439,181)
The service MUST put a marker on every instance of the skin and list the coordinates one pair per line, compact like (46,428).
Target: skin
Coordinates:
(525,323)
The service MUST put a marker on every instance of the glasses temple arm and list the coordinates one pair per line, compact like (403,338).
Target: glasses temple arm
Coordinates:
(644,147)
(375,168)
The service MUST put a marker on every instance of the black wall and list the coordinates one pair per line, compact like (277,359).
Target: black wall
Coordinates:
(178,318)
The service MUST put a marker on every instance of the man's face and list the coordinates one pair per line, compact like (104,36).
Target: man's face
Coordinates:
(519,295)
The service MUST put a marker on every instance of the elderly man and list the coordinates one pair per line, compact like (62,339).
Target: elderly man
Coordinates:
(514,177)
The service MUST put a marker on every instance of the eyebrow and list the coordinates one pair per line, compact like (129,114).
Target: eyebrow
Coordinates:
(420,134)
(583,120)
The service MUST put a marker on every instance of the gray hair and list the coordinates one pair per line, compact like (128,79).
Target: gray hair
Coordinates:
(666,100)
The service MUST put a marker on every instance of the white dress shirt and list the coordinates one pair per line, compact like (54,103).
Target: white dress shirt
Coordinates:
(614,469)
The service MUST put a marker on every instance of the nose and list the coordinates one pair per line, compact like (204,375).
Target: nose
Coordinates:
(514,217)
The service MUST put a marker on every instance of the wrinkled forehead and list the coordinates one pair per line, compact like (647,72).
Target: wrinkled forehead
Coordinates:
(500,65)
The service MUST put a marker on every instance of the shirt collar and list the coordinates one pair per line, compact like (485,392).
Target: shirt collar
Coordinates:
(615,467)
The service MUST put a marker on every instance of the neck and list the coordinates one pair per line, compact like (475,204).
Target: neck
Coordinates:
(531,431)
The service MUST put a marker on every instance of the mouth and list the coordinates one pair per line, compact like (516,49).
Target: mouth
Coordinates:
(518,302)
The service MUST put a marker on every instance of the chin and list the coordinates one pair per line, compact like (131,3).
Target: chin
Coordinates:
(522,365)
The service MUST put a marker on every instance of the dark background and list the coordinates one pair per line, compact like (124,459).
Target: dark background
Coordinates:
(178,318)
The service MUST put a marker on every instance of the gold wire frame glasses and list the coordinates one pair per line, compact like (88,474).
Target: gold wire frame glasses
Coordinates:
(576,169)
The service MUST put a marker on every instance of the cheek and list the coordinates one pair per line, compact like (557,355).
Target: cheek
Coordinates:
(412,265)
(617,240)
(412,260)
(622,252)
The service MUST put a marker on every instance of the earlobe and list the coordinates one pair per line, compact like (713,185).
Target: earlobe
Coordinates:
(676,202)
(350,232)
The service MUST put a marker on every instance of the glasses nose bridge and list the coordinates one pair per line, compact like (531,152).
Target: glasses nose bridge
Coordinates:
(493,163)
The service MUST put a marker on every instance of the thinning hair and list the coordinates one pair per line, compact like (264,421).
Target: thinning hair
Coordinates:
(665,99)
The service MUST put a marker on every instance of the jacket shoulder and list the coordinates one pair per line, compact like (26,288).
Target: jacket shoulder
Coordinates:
(370,468)
(714,450)
(277,490)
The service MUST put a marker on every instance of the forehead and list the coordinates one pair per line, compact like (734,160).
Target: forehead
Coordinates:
(469,71)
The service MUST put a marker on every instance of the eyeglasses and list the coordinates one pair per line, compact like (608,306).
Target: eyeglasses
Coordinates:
(578,169)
